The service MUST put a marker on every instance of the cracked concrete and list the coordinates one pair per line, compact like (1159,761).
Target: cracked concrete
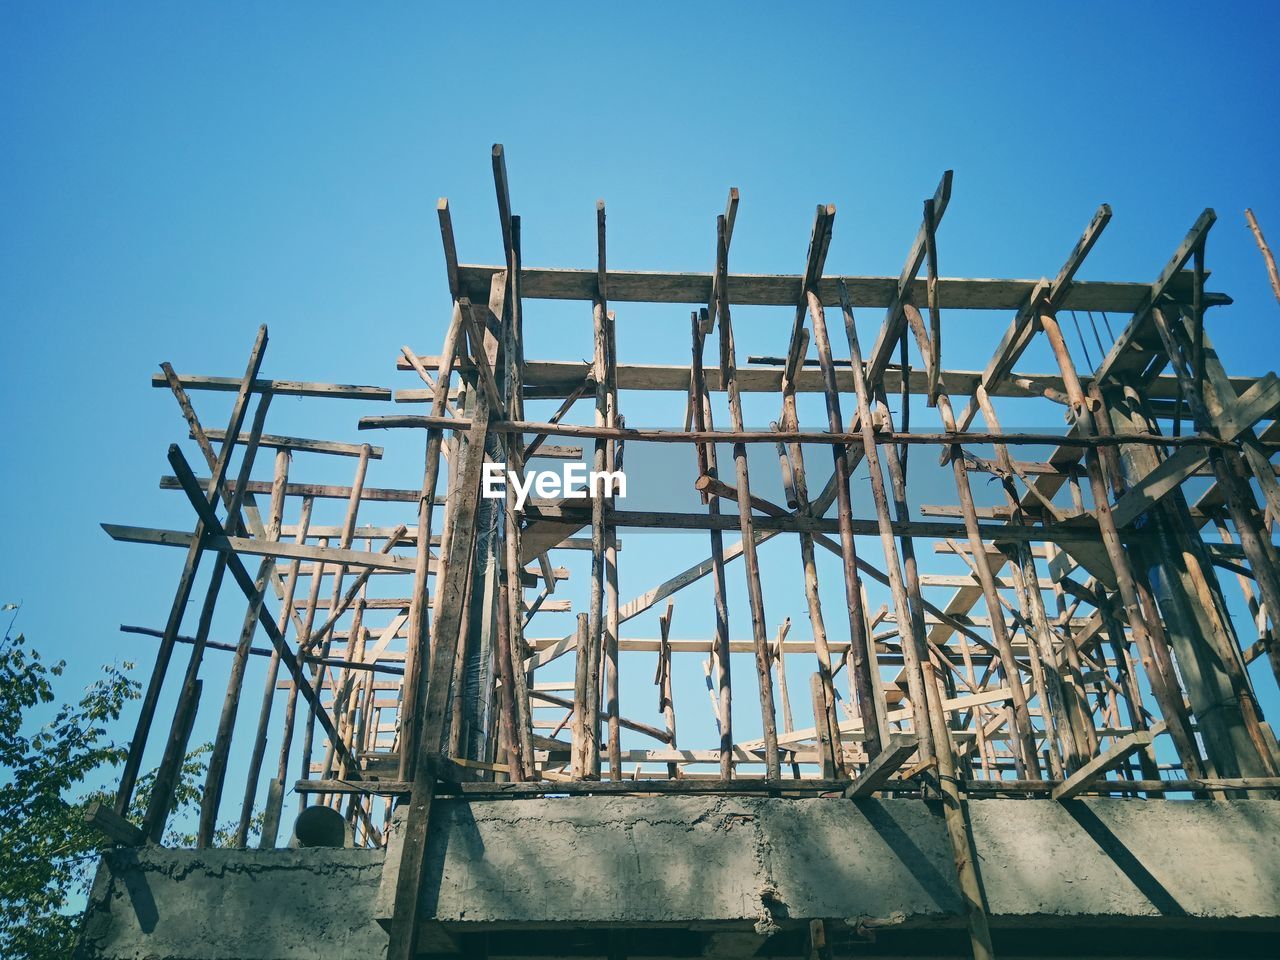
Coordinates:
(708,863)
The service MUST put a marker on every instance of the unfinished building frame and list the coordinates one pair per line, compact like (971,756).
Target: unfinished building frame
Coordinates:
(1089,649)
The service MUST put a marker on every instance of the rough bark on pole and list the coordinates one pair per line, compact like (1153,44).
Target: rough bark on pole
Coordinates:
(582,674)
(1022,734)
(513,350)
(506,675)
(707,463)
(912,641)
(1164,688)
(728,371)
(666,700)
(613,456)
(1270,261)
(419,608)
(449,626)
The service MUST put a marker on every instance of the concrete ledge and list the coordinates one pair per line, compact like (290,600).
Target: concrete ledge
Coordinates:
(151,903)
(724,876)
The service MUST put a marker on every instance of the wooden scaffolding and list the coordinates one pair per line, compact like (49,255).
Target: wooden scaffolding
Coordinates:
(1088,647)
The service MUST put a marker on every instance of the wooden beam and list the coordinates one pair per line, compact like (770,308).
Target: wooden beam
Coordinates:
(776,290)
(876,773)
(1081,780)
(113,826)
(299,444)
(562,379)
(293,388)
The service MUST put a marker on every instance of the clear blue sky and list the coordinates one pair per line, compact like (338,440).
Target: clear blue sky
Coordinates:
(175,174)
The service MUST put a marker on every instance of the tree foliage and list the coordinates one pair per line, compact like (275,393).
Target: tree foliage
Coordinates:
(48,777)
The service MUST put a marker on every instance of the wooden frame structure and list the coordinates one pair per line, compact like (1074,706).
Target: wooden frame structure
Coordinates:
(1087,648)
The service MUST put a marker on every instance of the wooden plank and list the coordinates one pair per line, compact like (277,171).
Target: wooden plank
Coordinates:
(113,826)
(777,290)
(1081,780)
(876,773)
(295,388)
(263,548)
(562,379)
(831,438)
(299,444)
(322,491)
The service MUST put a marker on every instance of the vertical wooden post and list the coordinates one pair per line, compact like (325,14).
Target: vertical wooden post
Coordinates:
(506,676)
(1022,735)
(513,350)
(729,375)
(1164,689)
(666,701)
(451,586)
(613,457)
(827,734)
(707,464)
(912,641)
(582,675)
(416,653)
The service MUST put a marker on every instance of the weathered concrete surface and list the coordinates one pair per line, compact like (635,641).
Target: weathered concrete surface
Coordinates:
(310,903)
(730,865)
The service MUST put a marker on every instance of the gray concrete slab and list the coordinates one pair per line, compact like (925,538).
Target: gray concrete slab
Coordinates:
(726,866)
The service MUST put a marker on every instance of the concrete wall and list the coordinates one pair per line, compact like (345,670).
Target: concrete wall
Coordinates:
(741,866)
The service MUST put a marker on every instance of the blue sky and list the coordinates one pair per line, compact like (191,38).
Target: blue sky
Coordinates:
(176,174)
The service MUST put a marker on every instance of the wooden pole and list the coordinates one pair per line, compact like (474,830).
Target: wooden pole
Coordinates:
(1267,258)
(1164,688)
(707,463)
(1020,719)
(167,773)
(582,674)
(449,626)
(666,700)
(417,654)
(613,458)
(151,696)
(729,374)
(912,640)
(259,750)
(216,773)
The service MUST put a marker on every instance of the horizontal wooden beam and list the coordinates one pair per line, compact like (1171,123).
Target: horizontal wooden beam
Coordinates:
(279,549)
(299,444)
(783,290)
(557,379)
(296,388)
